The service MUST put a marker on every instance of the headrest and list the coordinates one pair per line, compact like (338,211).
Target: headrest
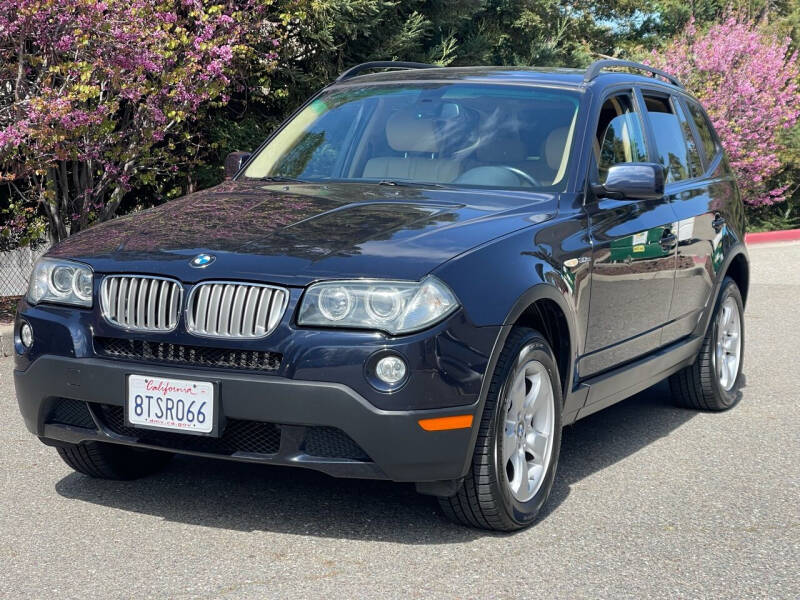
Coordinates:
(407,131)
(554,147)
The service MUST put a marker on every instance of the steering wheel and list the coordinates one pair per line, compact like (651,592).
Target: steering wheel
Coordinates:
(522,175)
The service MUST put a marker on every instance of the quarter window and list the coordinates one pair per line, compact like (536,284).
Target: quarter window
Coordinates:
(707,140)
(677,151)
(619,137)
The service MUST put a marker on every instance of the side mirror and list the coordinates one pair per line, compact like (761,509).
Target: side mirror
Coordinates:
(637,181)
(234,162)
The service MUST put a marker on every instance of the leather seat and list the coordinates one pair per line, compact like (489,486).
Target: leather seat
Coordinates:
(416,137)
(545,171)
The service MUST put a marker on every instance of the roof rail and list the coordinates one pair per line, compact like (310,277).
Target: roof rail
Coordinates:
(598,65)
(381,64)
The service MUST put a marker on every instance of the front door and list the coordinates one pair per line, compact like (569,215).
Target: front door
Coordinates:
(633,250)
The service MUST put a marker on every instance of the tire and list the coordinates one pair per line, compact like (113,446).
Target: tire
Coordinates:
(701,385)
(113,461)
(487,499)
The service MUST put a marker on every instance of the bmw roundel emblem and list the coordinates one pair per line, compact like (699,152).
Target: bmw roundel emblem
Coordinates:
(202,260)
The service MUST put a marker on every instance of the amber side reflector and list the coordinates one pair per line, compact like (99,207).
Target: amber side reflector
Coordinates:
(443,423)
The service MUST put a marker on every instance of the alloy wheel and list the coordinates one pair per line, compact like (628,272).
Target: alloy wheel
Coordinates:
(528,429)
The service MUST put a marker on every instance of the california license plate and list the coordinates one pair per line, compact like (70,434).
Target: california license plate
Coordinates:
(174,404)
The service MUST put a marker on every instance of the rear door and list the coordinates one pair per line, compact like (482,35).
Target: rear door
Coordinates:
(690,190)
(633,254)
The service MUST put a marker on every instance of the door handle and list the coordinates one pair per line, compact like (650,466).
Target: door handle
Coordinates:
(718,223)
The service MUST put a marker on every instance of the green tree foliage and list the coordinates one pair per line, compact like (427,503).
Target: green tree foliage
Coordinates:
(316,40)
(295,47)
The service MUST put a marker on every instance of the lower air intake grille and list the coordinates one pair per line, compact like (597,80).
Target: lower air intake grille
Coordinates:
(70,412)
(238,436)
(330,442)
(175,354)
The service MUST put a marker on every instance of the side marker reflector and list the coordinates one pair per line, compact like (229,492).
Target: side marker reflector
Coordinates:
(444,423)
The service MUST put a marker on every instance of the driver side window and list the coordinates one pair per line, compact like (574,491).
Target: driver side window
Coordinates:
(619,137)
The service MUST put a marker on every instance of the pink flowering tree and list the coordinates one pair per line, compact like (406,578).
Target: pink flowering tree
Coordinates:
(94,94)
(747,79)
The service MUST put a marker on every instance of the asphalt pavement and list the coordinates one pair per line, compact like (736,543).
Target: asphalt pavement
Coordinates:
(650,501)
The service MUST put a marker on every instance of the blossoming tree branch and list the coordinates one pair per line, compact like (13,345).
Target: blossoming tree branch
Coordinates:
(91,92)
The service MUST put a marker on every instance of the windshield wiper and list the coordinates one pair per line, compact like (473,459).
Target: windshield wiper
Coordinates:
(392,182)
(281,179)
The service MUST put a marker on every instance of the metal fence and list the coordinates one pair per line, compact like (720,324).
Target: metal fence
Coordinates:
(15,269)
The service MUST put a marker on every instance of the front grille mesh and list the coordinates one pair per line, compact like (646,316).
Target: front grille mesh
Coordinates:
(332,442)
(238,436)
(235,310)
(66,411)
(141,303)
(177,354)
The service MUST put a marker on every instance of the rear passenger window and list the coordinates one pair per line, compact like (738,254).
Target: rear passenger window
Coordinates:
(707,140)
(674,142)
(619,137)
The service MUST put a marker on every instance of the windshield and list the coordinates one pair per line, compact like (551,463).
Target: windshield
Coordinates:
(495,136)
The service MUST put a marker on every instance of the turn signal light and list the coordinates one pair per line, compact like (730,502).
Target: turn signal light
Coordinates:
(444,423)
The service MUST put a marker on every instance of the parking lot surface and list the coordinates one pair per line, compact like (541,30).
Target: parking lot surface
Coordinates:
(650,501)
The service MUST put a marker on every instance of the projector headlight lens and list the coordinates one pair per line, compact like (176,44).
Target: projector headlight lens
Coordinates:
(392,306)
(61,282)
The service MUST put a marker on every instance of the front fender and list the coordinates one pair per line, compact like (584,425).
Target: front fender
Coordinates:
(496,283)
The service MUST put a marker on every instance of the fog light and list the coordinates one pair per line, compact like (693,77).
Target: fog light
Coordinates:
(391,369)
(26,335)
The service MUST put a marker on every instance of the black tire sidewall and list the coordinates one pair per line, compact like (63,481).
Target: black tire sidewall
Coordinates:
(727,397)
(524,513)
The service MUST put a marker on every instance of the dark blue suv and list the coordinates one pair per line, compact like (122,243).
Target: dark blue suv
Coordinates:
(422,276)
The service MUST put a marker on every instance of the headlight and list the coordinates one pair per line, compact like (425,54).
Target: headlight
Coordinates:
(62,282)
(391,306)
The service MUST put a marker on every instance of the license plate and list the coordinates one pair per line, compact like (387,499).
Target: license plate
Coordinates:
(174,404)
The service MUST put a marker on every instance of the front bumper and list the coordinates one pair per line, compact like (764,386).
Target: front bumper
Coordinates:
(394,446)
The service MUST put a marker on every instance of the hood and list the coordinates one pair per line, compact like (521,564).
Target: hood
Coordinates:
(294,234)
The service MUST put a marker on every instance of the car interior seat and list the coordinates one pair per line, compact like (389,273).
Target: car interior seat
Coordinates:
(416,136)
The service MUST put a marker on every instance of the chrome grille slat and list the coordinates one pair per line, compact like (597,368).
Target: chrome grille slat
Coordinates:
(275,313)
(236,316)
(249,311)
(161,323)
(261,312)
(224,320)
(151,304)
(122,294)
(141,302)
(224,309)
(130,304)
(202,310)
(213,319)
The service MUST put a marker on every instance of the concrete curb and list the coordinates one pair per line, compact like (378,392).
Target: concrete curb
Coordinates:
(763,237)
(6,340)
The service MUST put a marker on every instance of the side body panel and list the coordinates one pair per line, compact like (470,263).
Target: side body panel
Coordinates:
(633,266)
(710,222)
(496,283)
(632,280)
(708,225)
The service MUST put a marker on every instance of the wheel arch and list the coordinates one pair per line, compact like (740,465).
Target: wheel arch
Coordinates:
(542,307)
(738,269)
(548,318)
(736,266)
(534,309)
